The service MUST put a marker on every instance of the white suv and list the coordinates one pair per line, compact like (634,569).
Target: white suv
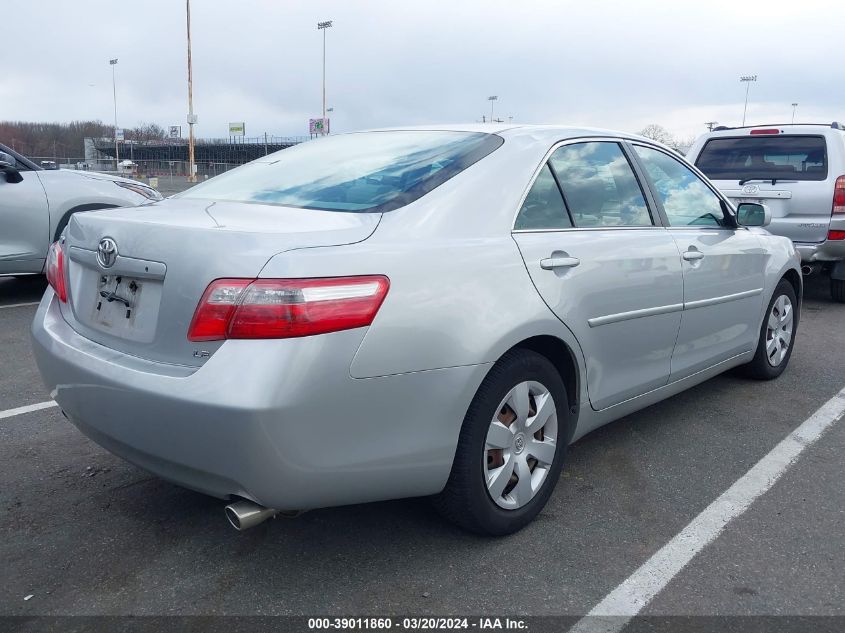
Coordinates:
(798,171)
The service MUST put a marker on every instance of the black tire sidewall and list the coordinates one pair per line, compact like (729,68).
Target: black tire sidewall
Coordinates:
(523,365)
(760,367)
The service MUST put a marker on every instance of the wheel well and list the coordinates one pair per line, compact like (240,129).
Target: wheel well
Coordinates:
(561,356)
(82,207)
(795,280)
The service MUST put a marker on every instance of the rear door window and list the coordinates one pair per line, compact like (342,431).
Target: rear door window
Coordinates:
(777,157)
(543,207)
(599,186)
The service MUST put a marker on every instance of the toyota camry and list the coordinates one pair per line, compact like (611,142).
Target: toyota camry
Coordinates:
(411,312)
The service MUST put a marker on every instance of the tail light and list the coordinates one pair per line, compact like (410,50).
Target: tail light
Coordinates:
(286,308)
(765,131)
(836,235)
(839,195)
(55,270)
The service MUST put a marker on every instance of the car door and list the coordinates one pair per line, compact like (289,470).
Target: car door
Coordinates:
(24,223)
(603,264)
(723,266)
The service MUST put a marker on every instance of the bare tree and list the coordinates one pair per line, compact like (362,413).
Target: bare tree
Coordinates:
(658,133)
(148,132)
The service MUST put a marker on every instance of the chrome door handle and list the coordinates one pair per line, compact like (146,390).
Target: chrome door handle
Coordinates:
(691,256)
(550,263)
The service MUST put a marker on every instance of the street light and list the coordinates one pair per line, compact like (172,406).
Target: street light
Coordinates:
(794,108)
(747,79)
(113,63)
(491,99)
(323,26)
(192,118)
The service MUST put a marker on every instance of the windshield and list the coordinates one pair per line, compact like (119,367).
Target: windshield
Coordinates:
(362,172)
(764,157)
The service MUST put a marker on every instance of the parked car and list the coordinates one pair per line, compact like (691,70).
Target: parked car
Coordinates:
(36,203)
(798,171)
(430,311)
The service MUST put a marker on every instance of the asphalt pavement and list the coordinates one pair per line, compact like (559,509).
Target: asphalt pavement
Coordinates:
(84,533)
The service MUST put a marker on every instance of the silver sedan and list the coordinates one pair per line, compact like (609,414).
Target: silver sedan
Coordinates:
(427,311)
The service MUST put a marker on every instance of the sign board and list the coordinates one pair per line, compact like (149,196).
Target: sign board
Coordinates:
(153,182)
(118,134)
(175,131)
(318,126)
(237,129)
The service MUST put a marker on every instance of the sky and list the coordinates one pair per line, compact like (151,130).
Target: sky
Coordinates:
(618,65)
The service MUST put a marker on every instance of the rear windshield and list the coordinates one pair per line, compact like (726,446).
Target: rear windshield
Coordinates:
(362,172)
(764,157)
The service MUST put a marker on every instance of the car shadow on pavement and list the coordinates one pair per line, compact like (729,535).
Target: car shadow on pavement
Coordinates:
(22,289)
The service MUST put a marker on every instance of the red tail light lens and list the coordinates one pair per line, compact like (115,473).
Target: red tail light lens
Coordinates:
(839,195)
(286,308)
(55,270)
(836,235)
(765,131)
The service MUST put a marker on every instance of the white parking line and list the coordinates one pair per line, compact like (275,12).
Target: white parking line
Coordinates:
(20,305)
(8,413)
(628,599)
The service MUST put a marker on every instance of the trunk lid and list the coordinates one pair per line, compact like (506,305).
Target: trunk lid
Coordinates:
(168,253)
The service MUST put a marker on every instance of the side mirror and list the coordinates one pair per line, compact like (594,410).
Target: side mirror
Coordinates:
(753,214)
(7,167)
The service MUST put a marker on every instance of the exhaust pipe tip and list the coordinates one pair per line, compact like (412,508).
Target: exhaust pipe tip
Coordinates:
(246,514)
(806,270)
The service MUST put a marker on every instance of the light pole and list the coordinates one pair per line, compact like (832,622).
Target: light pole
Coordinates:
(794,108)
(710,125)
(323,26)
(113,63)
(747,79)
(192,119)
(491,99)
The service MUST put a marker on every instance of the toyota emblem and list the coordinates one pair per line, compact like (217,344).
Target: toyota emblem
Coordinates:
(750,190)
(107,252)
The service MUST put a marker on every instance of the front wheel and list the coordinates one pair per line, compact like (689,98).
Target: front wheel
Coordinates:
(777,334)
(511,447)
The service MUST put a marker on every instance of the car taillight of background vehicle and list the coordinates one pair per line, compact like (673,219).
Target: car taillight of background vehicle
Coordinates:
(55,270)
(839,195)
(286,308)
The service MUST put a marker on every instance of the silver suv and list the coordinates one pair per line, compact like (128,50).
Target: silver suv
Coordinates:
(36,204)
(798,171)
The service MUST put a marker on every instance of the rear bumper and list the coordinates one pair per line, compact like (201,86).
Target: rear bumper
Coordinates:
(827,251)
(279,422)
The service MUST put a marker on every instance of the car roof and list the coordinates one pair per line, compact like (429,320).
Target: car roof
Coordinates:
(537,132)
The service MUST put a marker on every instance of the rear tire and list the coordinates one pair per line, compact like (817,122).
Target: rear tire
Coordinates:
(777,335)
(497,485)
(837,290)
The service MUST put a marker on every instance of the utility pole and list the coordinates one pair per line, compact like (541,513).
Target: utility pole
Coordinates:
(113,63)
(710,125)
(492,99)
(747,79)
(794,108)
(192,119)
(323,26)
